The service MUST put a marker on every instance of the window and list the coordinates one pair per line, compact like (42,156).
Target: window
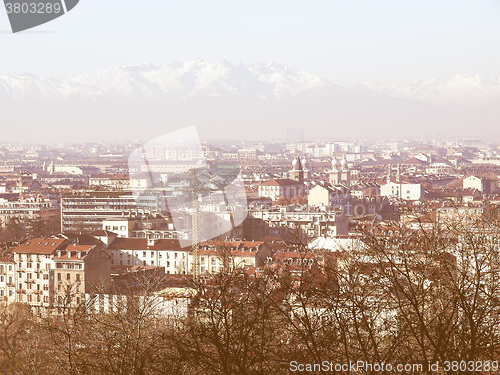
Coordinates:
(46,277)
(68,276)
(59,276)
(77,277)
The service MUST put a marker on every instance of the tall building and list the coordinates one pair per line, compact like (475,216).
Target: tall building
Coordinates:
(88,212)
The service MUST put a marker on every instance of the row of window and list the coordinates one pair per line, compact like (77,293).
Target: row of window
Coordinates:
(4,268)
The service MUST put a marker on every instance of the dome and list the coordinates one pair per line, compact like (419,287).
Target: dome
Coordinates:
(304,163)
(294,162)
(343,162)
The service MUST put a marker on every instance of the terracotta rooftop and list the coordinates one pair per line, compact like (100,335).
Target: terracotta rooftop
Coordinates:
(40,246)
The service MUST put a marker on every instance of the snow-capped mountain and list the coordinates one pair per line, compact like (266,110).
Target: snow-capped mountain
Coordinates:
(183,80)
(175,80)
(461,88)
(240,102)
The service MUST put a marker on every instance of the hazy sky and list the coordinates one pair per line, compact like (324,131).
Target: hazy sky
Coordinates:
(344,41)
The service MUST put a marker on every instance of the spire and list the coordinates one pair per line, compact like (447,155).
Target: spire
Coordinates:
(297,164)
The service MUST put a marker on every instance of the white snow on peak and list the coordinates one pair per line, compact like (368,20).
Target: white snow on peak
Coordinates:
(180,80)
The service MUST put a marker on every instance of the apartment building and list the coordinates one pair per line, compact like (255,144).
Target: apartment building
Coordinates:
(79,269)
(29,208)
(47,269)
(7,278)
(281,223)
(169,254)
(277,188)
(33,266)
(89,211)
(111,181)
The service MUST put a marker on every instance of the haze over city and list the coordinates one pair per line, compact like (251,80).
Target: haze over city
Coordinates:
(356,68)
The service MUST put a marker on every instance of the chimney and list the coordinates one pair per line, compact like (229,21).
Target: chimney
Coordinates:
(78,254)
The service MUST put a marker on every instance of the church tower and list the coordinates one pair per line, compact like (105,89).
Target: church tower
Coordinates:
(340,174)
(297,172)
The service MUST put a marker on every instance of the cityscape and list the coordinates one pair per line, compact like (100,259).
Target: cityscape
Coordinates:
(303,223)
(249,188)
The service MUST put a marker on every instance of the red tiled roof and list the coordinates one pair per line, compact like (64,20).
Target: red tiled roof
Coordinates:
(80,247)
(280,182)
(40,246)
(103,233)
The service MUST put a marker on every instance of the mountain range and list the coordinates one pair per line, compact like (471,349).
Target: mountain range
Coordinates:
(265,97)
